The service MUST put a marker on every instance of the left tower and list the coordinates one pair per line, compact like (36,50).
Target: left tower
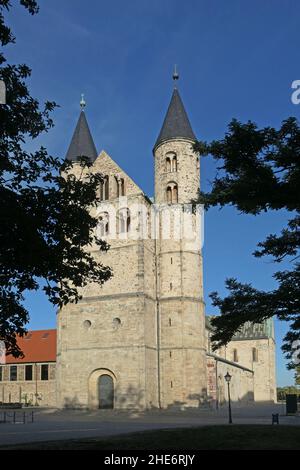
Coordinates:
(107,342)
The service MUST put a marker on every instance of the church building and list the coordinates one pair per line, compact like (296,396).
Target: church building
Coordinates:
(142,340)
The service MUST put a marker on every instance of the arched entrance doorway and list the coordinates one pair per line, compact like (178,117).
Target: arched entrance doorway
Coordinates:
(102,389)
(105,392)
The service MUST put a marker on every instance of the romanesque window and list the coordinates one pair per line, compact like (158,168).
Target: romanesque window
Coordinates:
(171,162)
(101,190)
(169,195)
(168,164)
(172,193)
(103,224)
(120,186)
(198,163)
(124,220)
(28,372)
(254,354)
(104,189)
(174,163)
(235,356)
(175,194)
(45,372)
(13,373)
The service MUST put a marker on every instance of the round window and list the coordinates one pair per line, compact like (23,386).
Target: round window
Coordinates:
(116,323)
(87,324)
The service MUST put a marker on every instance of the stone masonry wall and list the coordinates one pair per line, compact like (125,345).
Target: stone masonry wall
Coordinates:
(42,392)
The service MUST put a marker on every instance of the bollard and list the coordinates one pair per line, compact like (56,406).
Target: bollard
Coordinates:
(275,418)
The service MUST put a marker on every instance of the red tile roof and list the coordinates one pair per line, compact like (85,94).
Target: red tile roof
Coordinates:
(37,346)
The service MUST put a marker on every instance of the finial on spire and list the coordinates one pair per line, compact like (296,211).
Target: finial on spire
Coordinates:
(82,102)
(175,73)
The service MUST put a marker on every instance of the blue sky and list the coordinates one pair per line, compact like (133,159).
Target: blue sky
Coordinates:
(235,59)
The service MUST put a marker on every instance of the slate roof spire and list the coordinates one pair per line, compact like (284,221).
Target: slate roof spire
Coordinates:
(82,144)
(176,123)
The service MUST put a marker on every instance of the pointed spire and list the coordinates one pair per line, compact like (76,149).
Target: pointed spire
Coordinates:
(176,123)
(82,144)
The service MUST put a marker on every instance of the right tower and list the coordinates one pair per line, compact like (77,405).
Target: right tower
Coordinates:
(179,278)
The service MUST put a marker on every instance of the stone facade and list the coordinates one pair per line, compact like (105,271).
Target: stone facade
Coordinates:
(251,353)
(145,326)
(112,331)
(241,384)
(141,340)
(31,392)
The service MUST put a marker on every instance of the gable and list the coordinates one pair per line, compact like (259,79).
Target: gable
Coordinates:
(105,165)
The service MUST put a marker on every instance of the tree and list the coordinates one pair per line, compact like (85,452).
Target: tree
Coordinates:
(260,171)
(282,392)
(45,219)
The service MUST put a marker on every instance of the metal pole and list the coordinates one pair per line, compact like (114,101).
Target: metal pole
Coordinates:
(229,404)
(36,385)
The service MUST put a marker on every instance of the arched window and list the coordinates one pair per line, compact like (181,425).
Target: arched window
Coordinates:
(175,194)
(101,190)
(198,163)
(171,162)
(174,163)
(103,224)
(116,186)
(124,220)
(172,193)
(168,164)
(120,185)
(169,195)
(235,356)
(104,189)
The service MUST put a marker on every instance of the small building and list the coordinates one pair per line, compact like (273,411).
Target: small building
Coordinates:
(250,360)
(31,380)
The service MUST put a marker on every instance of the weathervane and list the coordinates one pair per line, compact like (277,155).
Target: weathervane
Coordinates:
(82,102)
(175,74)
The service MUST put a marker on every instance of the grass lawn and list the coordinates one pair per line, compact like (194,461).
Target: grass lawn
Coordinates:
(208,437)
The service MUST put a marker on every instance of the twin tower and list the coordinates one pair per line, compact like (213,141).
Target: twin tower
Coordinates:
(139,340)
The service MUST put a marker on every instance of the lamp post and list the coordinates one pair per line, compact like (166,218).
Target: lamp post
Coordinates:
(228,378)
